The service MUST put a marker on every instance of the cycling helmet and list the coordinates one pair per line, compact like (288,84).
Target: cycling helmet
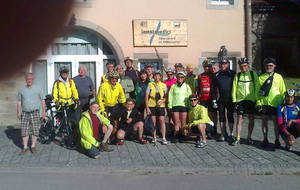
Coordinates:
(64,69)
(113,74)
(193,96)
(223,60)
(178,65)
(290,92)
(170,70)
(206,63)
(243,60)
(180,73)
(157,72)
(213,62)
(270,60)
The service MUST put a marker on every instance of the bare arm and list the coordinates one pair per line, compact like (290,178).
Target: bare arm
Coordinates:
(19,109)
(43,108)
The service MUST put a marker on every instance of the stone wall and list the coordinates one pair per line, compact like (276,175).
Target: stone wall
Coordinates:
(8,97)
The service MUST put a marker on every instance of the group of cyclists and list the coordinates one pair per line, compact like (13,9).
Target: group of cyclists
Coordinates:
(192,104)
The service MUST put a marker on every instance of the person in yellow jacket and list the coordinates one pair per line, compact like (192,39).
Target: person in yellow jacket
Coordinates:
(199,121)
(90,125)
(110,97)
(270,96)
(155,101)
(178,102)
(65,93)
(244,95)
(64,88)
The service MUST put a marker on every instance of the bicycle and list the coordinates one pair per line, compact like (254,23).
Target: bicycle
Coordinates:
(58,125)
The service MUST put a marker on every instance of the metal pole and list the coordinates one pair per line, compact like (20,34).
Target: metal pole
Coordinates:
(248,29)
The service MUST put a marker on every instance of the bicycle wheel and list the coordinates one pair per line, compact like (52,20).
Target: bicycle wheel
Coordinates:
(46,133)
(69,140)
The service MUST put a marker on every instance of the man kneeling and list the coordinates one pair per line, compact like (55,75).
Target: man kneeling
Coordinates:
(199,121)
(90,124)
(131,121)
(288,117)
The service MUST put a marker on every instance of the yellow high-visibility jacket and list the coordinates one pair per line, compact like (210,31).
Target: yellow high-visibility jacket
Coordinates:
(65,91)
(109,95)
(160,88)
(197,115)
(245,87)
(87,139)
(276,94)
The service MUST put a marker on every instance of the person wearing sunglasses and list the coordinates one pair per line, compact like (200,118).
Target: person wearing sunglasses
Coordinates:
(224,80)
(270,96)
(110,98)
(171,80)
(155,101)
(199,122)
(245,86)
(288,118)
(178,101)
(206,92)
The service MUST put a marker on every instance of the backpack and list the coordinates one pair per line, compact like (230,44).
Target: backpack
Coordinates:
(266,86)
(149,126)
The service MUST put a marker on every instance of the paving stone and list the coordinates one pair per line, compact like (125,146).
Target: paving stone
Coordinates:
(216,157)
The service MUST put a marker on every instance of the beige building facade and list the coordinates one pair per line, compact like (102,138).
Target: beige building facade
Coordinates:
(102,31)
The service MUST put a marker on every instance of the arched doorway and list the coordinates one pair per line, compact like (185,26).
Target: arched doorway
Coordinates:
(79,47)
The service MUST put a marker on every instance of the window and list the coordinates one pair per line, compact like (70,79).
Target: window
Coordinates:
(155,62)
(58,65)
(222,4)
(233,61)
(39,69)
(106,49)
(106,61)
(90,69)
(79,42)
(83,3)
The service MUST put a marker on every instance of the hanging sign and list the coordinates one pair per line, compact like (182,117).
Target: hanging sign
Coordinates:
(159,33)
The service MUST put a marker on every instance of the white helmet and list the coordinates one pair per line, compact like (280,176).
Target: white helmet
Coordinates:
(181,73)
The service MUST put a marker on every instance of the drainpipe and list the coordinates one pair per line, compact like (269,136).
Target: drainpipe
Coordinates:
(248,29)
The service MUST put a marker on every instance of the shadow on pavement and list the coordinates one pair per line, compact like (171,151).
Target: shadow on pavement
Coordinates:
(14,134)
(257,144)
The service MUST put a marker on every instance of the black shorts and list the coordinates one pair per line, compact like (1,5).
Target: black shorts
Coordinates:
(208,105)
(157,111)
(128,128)
(179,109)
(209,129)
(113,112)
(245,107)
(269,110)
(227,108)
(292,130)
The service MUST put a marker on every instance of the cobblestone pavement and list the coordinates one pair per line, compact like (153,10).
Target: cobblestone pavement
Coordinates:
(217,157)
